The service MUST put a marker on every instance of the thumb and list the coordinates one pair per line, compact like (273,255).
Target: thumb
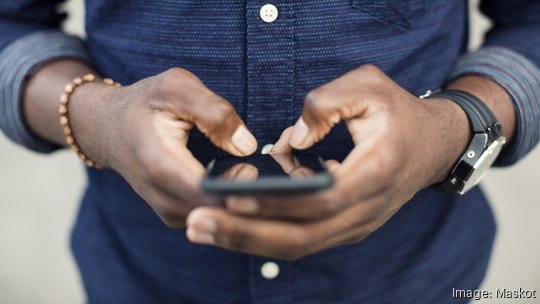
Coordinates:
(323,109)
(191,101)
(218,120)
(320,114)
(282,146)
(300,137)
(243,141)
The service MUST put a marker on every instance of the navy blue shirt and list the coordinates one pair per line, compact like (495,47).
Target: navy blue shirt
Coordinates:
(434,243)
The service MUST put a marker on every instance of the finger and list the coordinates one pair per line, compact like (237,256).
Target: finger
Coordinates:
(296,161)
(370,167)
(232,171)
(224,128)
(214,226)
(333,165)
(324,107)
(241,171)
(246,173)
(293,207)
(286,161)
(282,152)
(274,238)
(167,163)
(282,146)
(320,114)
(213,116)
(302,173)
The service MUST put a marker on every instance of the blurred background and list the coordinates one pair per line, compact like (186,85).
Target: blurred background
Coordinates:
(39,198)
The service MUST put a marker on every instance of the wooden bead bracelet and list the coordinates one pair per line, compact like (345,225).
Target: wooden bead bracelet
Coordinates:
(64,115)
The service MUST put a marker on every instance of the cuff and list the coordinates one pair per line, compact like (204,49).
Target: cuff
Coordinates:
(521,79)
(18,61)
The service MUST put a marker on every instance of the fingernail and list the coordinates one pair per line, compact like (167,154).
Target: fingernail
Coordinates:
(244,141)
(267,149)
(299,134)
(245,205)
(200,237)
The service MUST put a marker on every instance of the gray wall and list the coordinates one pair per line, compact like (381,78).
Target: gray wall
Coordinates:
(39,198)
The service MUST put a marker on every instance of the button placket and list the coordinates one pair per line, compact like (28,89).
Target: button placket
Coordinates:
(270,92)
(270,68)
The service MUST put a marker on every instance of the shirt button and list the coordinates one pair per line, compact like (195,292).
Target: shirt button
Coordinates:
(270,270)
(269,13)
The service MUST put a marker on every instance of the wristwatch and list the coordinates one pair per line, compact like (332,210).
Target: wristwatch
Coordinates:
(486,143)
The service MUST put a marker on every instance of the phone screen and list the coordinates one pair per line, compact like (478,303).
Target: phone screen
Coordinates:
(275,173)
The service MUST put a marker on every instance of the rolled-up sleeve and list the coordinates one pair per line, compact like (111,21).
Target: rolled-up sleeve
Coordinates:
(30,37)
(511,57)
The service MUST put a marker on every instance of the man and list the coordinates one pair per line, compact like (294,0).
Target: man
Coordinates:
(235,76)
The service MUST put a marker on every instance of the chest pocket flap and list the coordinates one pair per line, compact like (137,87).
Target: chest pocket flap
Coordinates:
(400,13)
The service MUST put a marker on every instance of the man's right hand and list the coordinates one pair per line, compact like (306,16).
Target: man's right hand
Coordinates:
(141,131)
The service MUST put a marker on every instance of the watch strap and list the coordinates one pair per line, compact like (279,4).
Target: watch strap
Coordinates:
(486,130)
(480,116)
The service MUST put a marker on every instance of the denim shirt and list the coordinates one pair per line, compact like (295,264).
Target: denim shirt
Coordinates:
(436,242)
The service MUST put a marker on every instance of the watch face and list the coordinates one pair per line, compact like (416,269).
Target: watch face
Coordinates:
(484,163)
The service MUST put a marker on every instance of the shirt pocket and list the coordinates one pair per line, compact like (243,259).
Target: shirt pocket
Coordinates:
(398,13)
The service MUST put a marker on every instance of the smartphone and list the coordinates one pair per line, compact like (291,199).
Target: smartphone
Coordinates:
(276,174)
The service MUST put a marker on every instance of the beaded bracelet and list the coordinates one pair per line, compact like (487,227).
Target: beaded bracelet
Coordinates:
(64,118)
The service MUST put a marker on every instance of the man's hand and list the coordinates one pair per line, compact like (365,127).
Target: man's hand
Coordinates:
(402,145)
(141,131)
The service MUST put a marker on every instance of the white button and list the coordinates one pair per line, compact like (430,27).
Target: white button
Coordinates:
(270,270)
(269,13)
(267,149)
